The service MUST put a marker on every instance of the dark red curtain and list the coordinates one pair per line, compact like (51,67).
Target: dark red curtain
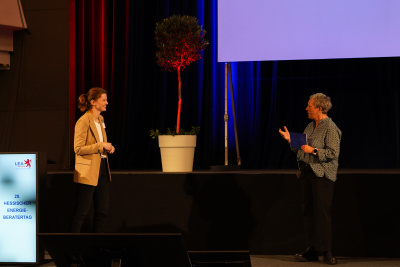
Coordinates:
(99,53)
(101,35)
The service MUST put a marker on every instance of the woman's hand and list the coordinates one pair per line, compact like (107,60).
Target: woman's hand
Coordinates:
(285,134)
(111,151)
(307,149)
(108,147)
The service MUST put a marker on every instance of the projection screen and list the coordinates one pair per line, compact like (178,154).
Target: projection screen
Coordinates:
(262,30)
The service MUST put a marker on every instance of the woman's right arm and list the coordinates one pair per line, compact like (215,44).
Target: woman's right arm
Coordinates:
(285,134)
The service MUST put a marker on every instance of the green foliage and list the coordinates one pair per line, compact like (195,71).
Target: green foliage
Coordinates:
(180,41)
(155,133)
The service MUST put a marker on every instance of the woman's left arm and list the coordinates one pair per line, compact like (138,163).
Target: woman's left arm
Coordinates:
(332,145)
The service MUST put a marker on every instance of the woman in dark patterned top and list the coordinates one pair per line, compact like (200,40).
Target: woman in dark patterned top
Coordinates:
(318,164)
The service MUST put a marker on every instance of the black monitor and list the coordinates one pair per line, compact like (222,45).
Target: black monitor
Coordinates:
(114,249)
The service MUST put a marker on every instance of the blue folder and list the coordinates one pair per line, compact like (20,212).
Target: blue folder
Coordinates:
(297,140)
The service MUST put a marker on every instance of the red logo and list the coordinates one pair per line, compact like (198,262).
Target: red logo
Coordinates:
(28,163)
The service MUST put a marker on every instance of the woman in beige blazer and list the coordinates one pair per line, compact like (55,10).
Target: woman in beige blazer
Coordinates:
(92,172)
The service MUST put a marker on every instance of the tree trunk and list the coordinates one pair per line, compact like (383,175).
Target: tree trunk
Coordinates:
(178,120)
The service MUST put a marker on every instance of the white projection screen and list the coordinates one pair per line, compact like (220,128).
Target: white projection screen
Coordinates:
(263,30)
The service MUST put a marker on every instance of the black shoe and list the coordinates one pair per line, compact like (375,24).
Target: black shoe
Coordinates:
(308,255)
(329,258)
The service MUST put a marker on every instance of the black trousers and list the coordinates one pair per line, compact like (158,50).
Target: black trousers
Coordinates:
(100,195)
(316,204)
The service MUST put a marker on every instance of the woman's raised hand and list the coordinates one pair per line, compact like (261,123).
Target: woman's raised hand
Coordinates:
(285,134)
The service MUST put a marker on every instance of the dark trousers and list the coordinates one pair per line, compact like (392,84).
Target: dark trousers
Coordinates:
(100,196)
(316,204)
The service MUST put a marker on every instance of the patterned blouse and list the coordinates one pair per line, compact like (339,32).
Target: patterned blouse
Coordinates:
(326,138)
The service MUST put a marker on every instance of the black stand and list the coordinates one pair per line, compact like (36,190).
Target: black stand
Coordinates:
(226,166)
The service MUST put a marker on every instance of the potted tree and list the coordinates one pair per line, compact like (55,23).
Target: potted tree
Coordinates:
(180,41)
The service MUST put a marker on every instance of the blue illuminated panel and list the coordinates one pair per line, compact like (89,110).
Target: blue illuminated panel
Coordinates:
(18,222)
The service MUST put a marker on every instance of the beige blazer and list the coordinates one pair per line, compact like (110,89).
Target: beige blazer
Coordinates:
(88,150)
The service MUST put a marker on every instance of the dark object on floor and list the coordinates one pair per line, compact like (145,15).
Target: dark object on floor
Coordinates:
(105,250)
(308,255)
(329,258)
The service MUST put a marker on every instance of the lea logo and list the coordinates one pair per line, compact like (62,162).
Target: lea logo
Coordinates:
(24,164)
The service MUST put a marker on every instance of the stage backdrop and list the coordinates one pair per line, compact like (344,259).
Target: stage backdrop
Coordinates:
(112,46)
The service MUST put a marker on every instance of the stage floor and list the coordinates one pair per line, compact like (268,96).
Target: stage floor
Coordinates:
(287,261)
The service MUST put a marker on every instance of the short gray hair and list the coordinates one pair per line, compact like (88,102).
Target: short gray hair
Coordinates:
(322,101)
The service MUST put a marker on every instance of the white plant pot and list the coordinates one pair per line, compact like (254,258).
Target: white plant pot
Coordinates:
(177,152)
